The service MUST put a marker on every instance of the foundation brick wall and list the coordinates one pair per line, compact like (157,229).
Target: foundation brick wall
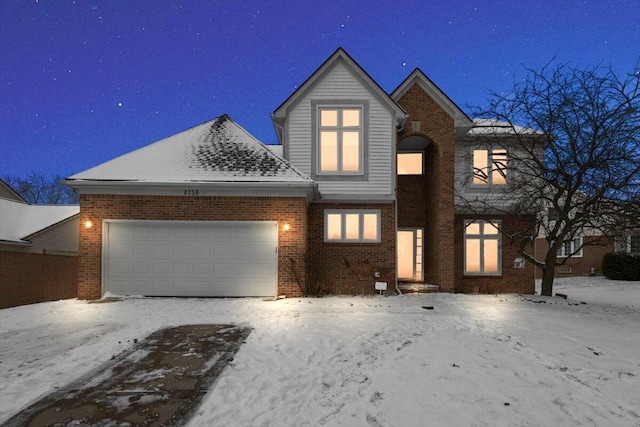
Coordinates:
(512,280)
(349,267)
(592,253)
(291,244)
(27,278)
(438,127)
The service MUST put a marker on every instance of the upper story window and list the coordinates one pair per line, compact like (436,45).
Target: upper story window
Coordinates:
(340,140)
(352,226)
(410,163)
(571,247)
(489,167)
(482,252)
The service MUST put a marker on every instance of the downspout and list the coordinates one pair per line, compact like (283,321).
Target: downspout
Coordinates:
(395,197)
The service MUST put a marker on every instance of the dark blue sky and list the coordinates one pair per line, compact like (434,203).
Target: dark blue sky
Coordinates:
(82,82)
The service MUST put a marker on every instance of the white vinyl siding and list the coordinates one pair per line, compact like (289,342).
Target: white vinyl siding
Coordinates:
(61,238)
(340,85)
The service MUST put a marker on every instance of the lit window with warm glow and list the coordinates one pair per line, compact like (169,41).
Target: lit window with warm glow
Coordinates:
(410,164)
(340,140)
(352,226)
(482,251)
(489,167)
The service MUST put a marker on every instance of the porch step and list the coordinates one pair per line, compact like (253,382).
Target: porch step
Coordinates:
(418,287)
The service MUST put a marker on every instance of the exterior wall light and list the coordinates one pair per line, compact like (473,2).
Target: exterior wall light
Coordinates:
(286,226)
(88,223)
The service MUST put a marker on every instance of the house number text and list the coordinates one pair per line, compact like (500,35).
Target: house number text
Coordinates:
(190,192)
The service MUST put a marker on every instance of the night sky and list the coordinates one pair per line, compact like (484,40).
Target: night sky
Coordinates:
(82,82)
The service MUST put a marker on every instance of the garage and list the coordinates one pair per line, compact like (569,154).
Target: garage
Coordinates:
(190,258)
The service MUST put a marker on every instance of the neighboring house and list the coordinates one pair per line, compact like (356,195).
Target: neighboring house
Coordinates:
(38,251)
(587,251)
(361,188)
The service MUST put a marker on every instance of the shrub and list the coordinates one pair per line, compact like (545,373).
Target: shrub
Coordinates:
(621,266)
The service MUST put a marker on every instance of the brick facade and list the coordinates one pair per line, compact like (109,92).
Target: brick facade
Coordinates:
(437,206)
(349,267)
(27,278)
(512,280)
(291,243)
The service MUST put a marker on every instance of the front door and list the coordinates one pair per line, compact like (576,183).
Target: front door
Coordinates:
(409,254)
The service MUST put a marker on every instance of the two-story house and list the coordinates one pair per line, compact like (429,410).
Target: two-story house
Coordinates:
(362,189)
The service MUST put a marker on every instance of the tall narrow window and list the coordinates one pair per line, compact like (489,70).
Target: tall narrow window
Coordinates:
(489,167)
(340,140)
(482,251)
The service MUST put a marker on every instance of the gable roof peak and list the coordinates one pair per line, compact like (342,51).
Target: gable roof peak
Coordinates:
(340,54)
(417,76)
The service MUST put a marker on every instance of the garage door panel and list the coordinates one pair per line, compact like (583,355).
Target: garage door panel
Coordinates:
(141,248)
(141,267)
(167,258)
(161,268)
(182,288)
(220,269)
(162,249)
(263,251)
(141,287)
(181,234)
(243,233)
(181,268)
(201,250)
(141,232)
(243,269)
(162,233)
(244,250)
(222,233)
(263,268)
(202,233)
(120,268)
(202,268)
(221,250)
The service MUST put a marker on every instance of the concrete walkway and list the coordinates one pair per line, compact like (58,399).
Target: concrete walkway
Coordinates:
(159,382)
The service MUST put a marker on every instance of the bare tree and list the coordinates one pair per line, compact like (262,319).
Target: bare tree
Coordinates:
(42,189)
(573,141)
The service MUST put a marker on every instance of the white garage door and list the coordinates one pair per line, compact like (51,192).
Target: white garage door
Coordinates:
(175,258)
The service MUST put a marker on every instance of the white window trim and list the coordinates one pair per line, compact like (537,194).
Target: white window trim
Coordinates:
(339,129)
(490,163)
(562,254)
(624,241)
(411,152)
(343,225)
(482,238)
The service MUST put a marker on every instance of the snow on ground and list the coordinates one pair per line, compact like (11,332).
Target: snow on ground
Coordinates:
(477,360)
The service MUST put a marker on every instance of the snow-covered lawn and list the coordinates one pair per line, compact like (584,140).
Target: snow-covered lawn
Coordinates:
(481,360)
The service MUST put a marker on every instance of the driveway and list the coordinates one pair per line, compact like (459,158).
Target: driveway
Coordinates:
(158,382)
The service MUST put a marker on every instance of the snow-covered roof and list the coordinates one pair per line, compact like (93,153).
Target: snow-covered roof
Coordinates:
(20,220)
(219,150)
(497,127)
(276,149)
